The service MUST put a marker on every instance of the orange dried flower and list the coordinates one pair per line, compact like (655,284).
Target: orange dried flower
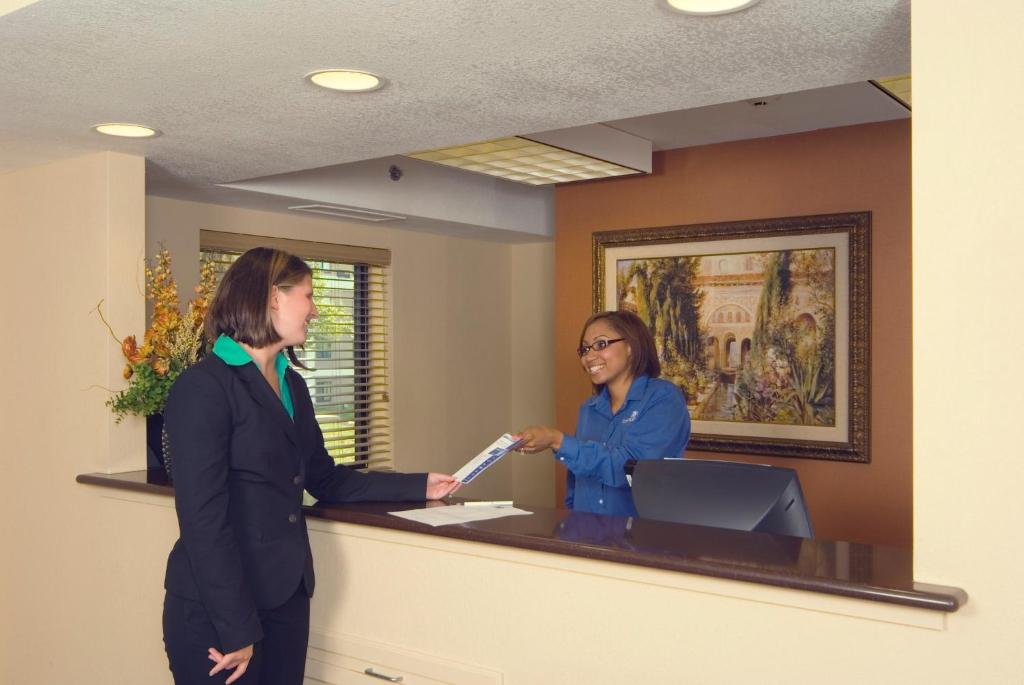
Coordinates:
(173,341)
(130,350)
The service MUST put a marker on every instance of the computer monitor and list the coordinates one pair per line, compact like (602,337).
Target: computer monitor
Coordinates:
(722,494)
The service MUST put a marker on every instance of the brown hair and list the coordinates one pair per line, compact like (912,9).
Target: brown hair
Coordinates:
(643,358)
(241,305)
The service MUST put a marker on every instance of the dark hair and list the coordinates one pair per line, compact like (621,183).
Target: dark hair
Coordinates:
(241,305)
(643,358)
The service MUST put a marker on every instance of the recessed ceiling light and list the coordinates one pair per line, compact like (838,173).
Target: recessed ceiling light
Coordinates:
(709,7)
(348,80)
(126,130)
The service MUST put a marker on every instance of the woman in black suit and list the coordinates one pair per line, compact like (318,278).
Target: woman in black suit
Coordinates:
(246,444)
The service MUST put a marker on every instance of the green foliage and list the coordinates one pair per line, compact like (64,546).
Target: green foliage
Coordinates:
(774,296)
(812,367)
(146,394)
(687,376)
(667,299)
(790,376)
(335,317)
(336,320)
(763,390)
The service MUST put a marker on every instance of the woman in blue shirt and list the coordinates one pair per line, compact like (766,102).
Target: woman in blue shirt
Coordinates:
(633,414)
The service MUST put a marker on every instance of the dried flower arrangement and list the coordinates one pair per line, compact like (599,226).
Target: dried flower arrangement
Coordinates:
(172,343)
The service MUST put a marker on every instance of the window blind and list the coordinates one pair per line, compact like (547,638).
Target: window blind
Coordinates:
(347,351)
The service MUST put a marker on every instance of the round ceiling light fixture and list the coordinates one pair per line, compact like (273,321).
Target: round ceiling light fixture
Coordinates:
(347,80)
(126,130)
(710,7)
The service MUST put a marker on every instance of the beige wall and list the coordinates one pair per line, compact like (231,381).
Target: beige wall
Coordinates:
(968,374)
(471,334)
(80,588)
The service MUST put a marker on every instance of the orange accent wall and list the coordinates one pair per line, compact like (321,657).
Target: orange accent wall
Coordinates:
(847,169)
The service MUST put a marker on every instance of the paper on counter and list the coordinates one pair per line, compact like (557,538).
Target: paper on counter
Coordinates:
(491,454)
(456,513)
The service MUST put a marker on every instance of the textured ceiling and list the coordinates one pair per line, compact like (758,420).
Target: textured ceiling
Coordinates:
(224,80)
(806,110)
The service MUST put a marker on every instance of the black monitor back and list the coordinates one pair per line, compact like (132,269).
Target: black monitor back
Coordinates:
(722,494)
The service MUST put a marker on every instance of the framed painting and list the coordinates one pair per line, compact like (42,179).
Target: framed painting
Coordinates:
(764,325)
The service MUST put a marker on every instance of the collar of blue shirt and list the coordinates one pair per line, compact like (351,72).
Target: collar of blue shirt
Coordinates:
(602,402)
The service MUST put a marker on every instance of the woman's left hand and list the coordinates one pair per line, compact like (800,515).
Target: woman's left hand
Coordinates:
(237,660)
(441,485)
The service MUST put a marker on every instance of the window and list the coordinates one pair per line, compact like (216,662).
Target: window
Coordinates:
(347,350)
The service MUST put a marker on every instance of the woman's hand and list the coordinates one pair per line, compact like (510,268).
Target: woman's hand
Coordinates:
(238,660)
(539,438)
(440,485)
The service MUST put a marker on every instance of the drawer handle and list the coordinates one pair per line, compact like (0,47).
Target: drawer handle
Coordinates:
(390,678)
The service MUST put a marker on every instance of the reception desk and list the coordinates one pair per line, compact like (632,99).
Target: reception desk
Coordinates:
(559,596)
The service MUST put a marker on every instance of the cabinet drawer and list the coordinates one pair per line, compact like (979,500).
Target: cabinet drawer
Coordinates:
(343,660)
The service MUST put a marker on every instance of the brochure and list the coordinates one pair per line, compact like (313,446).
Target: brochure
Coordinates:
(478,464)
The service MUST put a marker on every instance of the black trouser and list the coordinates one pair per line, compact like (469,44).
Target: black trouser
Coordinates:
(278,659)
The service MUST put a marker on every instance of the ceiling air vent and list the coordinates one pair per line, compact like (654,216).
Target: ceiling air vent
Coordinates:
(349,212)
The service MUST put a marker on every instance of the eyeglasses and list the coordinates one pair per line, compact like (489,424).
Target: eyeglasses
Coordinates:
(597,345)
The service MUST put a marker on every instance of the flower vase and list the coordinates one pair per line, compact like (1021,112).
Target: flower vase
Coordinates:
(158,453)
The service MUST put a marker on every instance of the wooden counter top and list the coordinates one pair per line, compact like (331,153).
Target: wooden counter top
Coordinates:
(870,572)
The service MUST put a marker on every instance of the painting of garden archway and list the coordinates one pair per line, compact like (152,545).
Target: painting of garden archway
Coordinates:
(763,324)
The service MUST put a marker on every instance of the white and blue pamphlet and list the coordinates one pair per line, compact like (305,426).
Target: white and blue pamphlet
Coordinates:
(437,514)
(491,454)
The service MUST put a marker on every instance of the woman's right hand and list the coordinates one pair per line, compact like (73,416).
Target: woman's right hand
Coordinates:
(539,438)
(238,660)
(440,485)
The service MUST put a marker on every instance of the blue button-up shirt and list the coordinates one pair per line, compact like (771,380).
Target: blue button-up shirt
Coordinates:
(652,423)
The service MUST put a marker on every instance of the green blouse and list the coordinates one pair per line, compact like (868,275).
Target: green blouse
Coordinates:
(235,355)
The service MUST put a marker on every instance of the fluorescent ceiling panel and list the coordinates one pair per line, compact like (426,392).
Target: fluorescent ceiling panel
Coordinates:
(525,161)
(897,86)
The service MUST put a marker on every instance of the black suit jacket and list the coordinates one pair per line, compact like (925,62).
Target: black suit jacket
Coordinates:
(240,466)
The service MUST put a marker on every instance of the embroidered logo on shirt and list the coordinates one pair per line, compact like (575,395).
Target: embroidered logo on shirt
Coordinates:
(632,417)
